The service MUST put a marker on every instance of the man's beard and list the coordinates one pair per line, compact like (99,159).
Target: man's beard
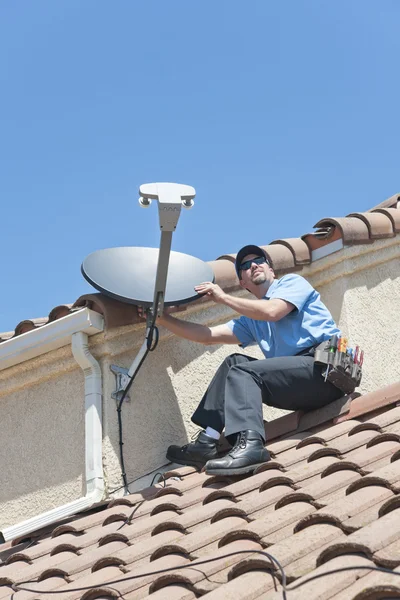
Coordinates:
(258,279)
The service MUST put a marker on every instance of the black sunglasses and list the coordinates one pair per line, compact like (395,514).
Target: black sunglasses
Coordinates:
(247,263)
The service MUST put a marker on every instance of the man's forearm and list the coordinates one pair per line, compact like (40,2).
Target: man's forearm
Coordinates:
(254,309)
(190,331)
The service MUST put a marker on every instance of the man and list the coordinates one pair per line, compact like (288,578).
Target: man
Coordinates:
(287,320)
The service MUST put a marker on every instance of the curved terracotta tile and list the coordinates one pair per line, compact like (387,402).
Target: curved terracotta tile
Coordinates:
(367,481)
(273,481)
(364,426)
(232,511)
(170,579)
(107,561)
(379,225)
(299,249)
(217,494)
(392,202)
(24,327)
(168,491)
(383,437)
(393,214)
(342,548)
(294,497)
(59,311)
(7,335)
(110,538)
(353,230)
(54,572)
(248,565)
(281,258)
(100,592)
(324,452)
(230,257)
(344,465)
(224,272)
(390,505)
(115,313)
(238,534)
(315,519)
(168,526)
(321,238)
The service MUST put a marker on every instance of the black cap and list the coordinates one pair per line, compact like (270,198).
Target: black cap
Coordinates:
(245,251)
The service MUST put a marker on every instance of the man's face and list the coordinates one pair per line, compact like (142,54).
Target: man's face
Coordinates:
(255,275)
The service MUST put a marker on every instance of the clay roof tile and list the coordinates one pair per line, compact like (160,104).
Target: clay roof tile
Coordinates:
(224,272)
(352,230)
(393,214)
(392,202)
(299,249)
(311,516)
(379,225)
(281,258)
(115,313)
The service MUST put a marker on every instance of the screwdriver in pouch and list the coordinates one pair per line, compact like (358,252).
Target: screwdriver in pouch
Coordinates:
(356,354)
(333,342)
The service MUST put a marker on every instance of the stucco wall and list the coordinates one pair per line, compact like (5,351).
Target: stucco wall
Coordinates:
(361,287)
(42,436)
(42,400)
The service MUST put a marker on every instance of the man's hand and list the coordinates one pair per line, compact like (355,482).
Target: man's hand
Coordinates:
(212,290)
(142,312)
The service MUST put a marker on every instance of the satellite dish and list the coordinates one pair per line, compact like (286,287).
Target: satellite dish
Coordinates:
(149,277)
(128,274)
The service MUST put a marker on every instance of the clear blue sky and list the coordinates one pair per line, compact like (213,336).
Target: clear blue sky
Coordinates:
(278,112)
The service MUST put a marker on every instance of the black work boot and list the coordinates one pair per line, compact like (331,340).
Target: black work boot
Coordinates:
(247,454)
(196,453)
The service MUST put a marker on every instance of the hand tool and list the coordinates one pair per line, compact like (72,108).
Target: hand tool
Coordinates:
(333,342)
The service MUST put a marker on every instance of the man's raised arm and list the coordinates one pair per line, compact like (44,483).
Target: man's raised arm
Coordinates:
(220,334)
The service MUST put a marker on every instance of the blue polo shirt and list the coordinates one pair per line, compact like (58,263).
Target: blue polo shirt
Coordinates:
(309,324)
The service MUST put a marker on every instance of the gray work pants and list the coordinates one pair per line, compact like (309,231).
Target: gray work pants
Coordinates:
(242,383)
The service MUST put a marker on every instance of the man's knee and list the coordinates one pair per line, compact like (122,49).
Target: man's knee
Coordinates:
(238,370)
(232,358)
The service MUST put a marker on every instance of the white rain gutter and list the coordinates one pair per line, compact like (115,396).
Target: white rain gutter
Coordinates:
(90,323)
(48,337)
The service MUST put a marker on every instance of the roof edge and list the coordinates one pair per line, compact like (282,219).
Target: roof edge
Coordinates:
(343,409)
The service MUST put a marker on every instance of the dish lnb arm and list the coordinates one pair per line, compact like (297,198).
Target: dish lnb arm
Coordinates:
(171,197)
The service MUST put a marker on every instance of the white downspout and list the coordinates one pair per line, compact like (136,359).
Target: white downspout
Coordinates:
(93,446)
(93,416)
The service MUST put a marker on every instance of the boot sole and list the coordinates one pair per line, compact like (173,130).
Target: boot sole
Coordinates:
(238,471)
(186,463)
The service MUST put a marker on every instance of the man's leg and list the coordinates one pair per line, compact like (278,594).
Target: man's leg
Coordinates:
(211,410)
(291,383)
(209,414)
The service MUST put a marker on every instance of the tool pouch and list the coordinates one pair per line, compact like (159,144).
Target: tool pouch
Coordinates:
(342,371)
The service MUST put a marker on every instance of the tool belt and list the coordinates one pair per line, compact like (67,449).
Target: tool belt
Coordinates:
(343,365)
